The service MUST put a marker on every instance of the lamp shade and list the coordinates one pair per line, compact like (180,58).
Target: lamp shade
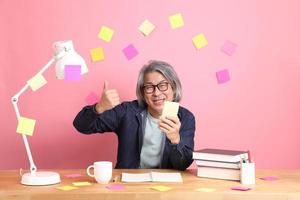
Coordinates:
(65,54)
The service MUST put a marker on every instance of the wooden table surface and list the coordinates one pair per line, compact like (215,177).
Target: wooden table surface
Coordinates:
(286,187)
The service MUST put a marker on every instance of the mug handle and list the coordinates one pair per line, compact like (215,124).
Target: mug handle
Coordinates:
(88,171)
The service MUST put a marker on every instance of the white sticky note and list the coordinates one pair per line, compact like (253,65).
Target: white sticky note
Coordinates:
(146,27)
(170,109)
(37,82)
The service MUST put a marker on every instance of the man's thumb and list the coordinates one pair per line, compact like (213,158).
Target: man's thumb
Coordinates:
(105,87)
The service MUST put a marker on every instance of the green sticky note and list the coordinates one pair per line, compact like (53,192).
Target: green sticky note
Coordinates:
(25,126)
(176,21)
(106,33)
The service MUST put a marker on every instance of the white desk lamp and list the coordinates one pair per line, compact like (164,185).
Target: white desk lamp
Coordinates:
(64,54)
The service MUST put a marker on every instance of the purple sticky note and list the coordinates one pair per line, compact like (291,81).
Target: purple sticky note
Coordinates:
(228,48)
(240,188)
(73,175)
(92,98)
(72,72)
(130,52)
(223,76)
(269,178)
(115,187)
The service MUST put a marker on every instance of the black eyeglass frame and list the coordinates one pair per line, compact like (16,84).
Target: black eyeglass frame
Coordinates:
(158,86)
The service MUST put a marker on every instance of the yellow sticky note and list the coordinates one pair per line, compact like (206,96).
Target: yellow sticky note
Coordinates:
(25,126)
(106,33)
(200,41)
(170,109)
(97,54)
(81,183)
(37,82)
(176,21)
(205,189)
(67,188)
(146,27)
(161,188)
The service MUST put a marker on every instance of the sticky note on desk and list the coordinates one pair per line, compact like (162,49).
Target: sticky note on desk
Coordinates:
(161,188)
(199,41)
(176,21)
(269,178)
(240,188)
(67,188)
(115,187)
(170,109)
(146,27)
(37,82)
(85,183)
(25,126)
(205,189)
(106,33)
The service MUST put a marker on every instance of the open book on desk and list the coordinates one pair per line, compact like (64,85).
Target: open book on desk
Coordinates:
(151,176)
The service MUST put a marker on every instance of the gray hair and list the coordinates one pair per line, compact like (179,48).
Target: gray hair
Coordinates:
(167,71)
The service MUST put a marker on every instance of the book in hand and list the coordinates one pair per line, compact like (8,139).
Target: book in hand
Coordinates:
(209,163)
(152,176)
(221,155)
(218,173)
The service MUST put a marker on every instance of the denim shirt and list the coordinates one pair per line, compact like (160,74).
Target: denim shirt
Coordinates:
(127,120)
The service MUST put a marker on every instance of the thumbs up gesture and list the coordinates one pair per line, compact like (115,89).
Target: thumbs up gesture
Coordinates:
(109,99)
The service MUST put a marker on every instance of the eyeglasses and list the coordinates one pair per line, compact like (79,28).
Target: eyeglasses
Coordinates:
(149,89)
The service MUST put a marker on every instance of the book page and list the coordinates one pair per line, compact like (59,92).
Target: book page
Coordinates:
(129,177)
(166,177)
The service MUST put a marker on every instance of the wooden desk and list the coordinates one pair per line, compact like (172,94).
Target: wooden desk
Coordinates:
(287,187)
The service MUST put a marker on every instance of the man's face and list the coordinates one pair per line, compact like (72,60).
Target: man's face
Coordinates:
(157,90)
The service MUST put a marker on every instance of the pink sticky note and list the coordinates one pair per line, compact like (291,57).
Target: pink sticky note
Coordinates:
(92,98)
(269,178)
(228,48)
(240,188)
(130,52)
(115,187)
(73,175)
(72,72)
(222,76)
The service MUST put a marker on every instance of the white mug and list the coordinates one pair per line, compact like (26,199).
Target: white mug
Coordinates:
(102,171)
(248,173)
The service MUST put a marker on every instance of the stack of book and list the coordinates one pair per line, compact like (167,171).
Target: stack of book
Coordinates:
(219,163)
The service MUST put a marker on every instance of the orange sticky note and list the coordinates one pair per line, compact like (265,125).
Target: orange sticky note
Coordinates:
(106,33)
(161,188)
(146,27)
(97,54)
(37,82)
(67,188)
(200,41)
(25,126)
(176,21)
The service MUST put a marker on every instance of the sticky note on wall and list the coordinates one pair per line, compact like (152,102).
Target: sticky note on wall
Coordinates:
(25,126)
(228,48)
(130,52)
(106,33)
(97,54)
(170,109)
(146,27)
(72,72)
(37,82)
(223,76)
(176,21)
(199,41)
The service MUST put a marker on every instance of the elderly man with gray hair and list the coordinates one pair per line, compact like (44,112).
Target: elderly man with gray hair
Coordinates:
(145,139)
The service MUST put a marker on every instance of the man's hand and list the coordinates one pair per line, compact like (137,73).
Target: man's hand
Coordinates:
(109,99)
(170,126)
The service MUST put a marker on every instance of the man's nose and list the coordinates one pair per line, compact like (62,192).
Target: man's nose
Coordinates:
(156,91)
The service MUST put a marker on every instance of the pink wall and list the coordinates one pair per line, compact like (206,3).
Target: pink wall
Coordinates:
(259,109)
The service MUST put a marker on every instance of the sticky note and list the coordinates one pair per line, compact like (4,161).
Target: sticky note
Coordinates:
(161,188)
(205,189)
(146,27)
(222,76)
(81,183)
(67,188)
(97,54)
(73,175)
(199,41)
(240,188)
(228,48)
(269,178)
(92,98)
(170,109)
(25,126)
(37,82)
(115,187)
(72,72)
(106,33)
(130,52)
(176,21)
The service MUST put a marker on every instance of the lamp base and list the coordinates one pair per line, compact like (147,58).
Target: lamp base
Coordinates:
(40,178)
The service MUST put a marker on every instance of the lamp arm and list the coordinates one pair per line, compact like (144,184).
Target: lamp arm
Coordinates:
(14,101)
